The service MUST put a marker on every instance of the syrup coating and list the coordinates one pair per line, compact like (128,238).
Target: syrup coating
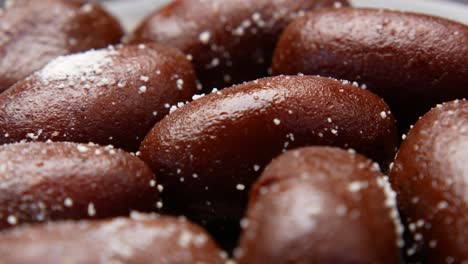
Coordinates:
(209,152)
(139,239)
(430,174)
(49,181)
(321,205)
(413,61)
(108,96)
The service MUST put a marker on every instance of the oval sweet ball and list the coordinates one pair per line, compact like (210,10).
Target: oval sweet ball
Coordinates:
(138,239)
(50,181)
(207,153)
(430,174)
(321,205)
(413,61)
(108,96)
(32,33)
(229,41)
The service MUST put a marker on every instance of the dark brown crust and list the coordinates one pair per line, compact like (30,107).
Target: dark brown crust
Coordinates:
(49,181)
(242,34)
(225,138)
(34,32)
(413,61)
(140,239)
(430,175)
(320,205)
(111,96)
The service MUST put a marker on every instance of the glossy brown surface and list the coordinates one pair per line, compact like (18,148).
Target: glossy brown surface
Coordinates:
(207,153)
(32,33)
(321,205)
(230,41)
(430,175)
(48,181)
(413,61)
(109,96)
(140,239)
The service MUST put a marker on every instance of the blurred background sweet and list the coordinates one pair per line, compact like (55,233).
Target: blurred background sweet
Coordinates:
(130,12)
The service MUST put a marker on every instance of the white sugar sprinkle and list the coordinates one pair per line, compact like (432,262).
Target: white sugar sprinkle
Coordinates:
(180,84)
(68,202)
(87,8)
(442,205)
(240,187)
(185,239)
(383,114)
(357,186)
(77,66)
(160,188)
(144,78)
(204,37)
(91,209)
(276,121)
(159,205)
(197,96)
(152,183)
(142,89)
(244,223)
(82,148)
(256,167)
(12,220)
